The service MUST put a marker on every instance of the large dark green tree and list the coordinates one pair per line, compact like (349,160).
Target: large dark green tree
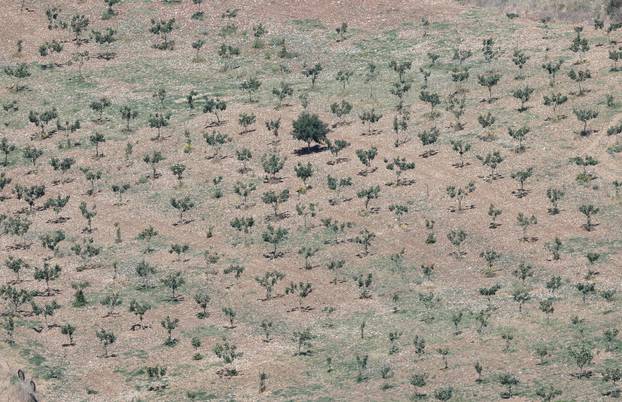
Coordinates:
(309,128)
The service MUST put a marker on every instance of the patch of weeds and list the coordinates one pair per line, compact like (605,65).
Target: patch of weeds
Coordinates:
(308,24)
(200,395)
(614,149)
(198,16)
(139,353)
(48,372)
(290,392)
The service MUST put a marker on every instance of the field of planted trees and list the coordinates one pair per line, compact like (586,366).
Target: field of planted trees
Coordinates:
(361,200)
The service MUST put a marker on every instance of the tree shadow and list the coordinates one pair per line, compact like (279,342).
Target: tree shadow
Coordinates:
(310,150)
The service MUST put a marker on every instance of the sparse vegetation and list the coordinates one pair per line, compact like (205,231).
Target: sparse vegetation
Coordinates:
(412,201)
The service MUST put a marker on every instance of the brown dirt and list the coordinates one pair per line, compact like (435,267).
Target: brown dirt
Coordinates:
(455,281)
